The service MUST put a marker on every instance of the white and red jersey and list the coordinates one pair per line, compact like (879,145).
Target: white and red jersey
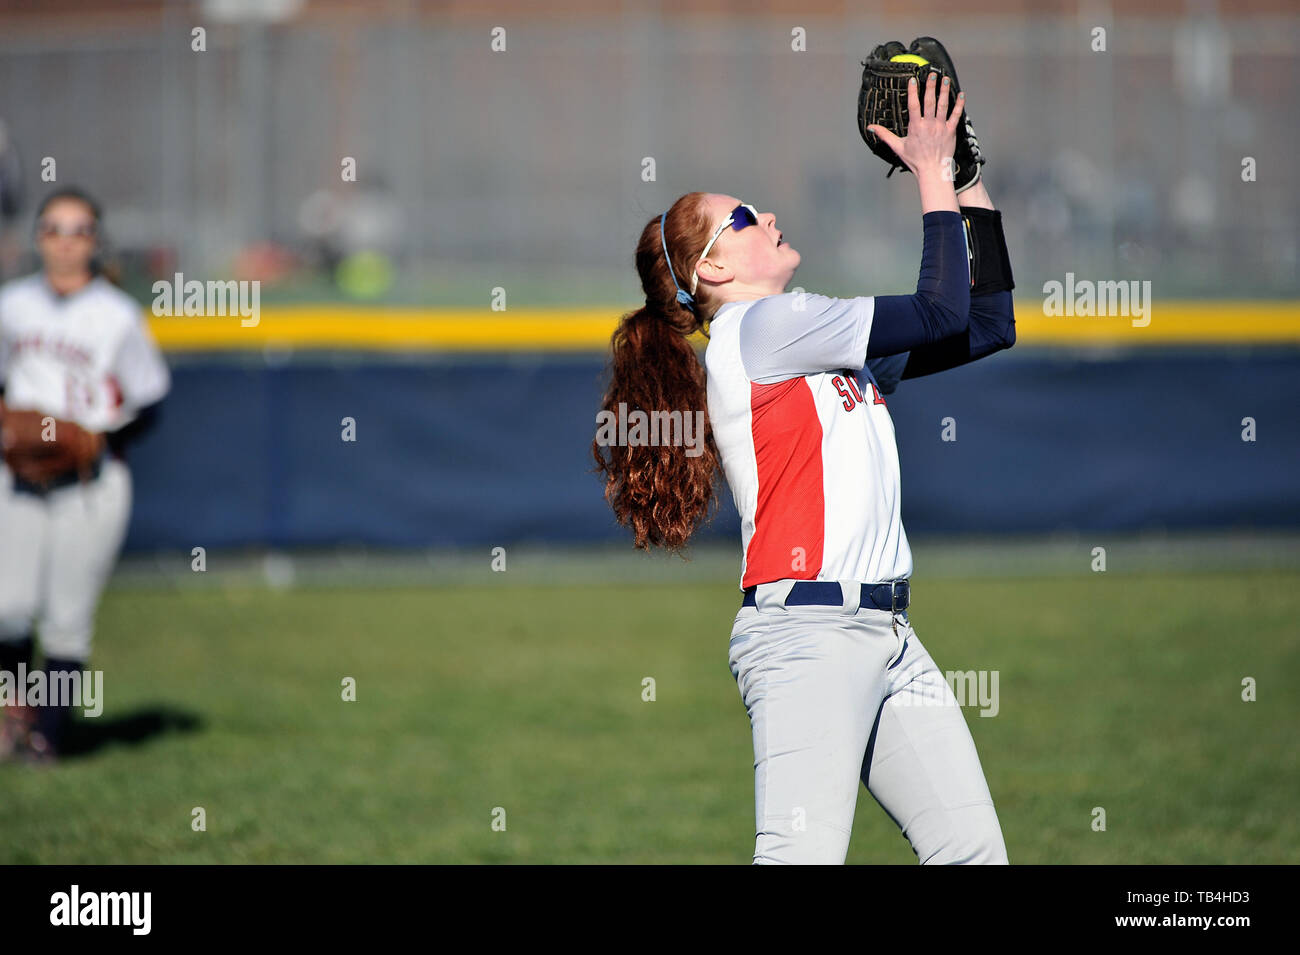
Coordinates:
(806,440)
(86,357)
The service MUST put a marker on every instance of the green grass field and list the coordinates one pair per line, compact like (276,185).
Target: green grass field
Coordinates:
(1120,691)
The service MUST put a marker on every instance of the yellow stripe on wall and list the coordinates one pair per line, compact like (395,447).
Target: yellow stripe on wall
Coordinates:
(1199,322)
(584,329)
(392,329)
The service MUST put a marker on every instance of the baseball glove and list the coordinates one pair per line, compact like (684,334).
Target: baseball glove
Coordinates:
(882,101)
(40,448)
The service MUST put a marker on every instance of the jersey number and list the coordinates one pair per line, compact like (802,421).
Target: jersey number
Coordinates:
(79,398)
(848,390)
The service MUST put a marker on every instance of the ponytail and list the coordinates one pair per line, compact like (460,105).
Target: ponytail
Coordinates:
(663,492)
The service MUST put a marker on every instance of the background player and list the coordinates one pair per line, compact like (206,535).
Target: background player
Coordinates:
(832,675)
(75,349)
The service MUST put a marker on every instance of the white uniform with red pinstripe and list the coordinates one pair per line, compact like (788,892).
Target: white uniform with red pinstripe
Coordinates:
(88,358)
(834,694)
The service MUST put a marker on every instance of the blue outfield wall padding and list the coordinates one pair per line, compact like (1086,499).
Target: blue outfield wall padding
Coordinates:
(1047,443)
(495,450)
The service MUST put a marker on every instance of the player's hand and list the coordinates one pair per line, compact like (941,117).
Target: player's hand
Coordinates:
(931,138)
(73,450)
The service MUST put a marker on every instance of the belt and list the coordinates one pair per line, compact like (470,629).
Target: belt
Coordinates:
(893,595)
(66,479)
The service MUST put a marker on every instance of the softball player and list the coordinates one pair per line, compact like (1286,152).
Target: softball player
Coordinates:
(75,350)
(836,683)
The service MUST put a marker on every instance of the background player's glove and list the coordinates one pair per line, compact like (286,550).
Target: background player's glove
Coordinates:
(882,101)
(39,448)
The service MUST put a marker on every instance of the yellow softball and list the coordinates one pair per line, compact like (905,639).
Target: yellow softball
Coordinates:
(909,58)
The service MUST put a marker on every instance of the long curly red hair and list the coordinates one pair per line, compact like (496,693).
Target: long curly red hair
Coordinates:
(660,493)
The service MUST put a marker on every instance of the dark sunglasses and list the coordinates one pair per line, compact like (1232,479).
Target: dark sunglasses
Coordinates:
(743,216)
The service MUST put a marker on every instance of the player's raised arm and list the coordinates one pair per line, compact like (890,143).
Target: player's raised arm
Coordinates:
(940,307)
(992,318)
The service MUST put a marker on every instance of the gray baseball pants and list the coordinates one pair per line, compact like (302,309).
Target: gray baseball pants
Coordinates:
(840,694)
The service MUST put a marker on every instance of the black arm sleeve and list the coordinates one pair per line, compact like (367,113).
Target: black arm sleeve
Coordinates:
(940,307)
(992,328)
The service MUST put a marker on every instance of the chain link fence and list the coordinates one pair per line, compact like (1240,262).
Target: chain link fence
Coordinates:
(1164,155)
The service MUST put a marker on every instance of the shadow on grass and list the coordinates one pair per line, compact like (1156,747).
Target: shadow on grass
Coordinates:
(85,736)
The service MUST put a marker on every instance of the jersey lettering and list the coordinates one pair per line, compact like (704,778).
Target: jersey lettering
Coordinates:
(847,386)
(848,391)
